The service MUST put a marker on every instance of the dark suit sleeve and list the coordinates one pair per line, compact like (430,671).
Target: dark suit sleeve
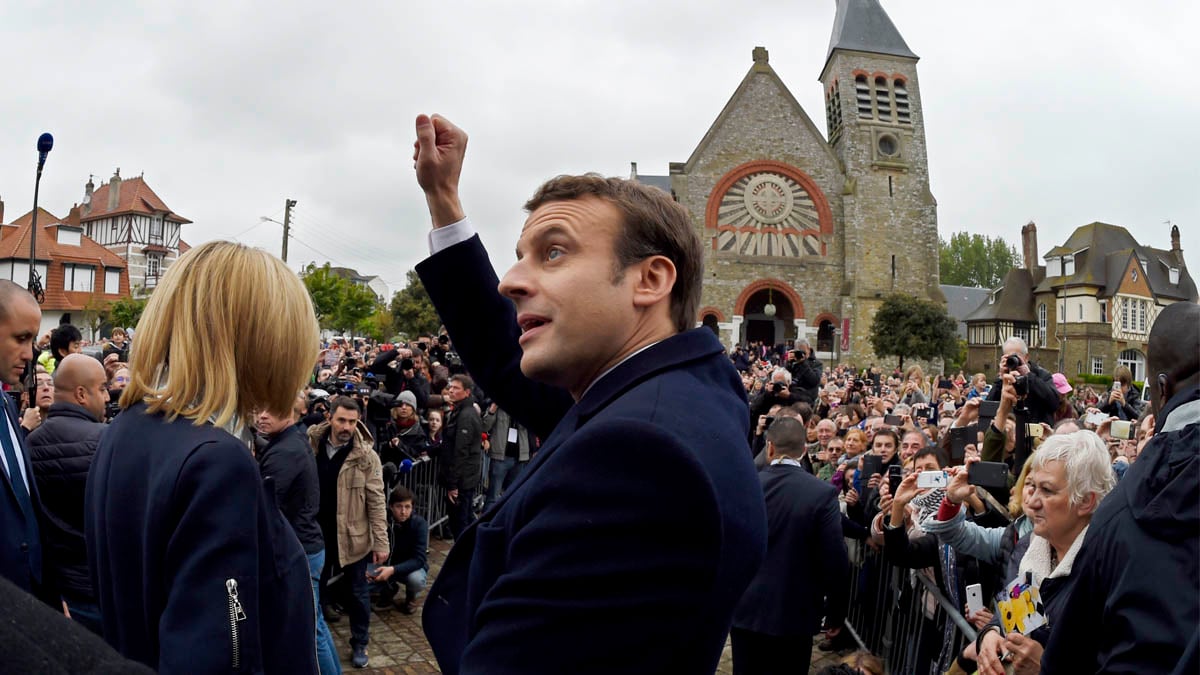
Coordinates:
(590,577)
(216,540)
(483,324)
(908,553)
(834,560)
(380,365)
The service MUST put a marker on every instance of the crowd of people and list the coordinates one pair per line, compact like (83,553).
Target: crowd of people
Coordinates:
(207,492)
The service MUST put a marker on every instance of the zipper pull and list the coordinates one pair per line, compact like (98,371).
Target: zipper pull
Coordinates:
(231,587)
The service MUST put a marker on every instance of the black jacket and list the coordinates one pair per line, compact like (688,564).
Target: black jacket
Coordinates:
(806,379)
(394,380)
(62,449)
(462,457)
(1136,604)
(1041,402)
(181,534)
(801,578)
(288,460)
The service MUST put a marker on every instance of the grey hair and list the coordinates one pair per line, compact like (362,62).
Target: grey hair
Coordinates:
(801,342)
(1024,349)
(786,375)
(1085,458)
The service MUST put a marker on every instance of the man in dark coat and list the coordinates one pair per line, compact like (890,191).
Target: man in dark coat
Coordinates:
(20,502)
(799,581)
(588,343)
(62,449)
(1135,606)
(462,462)
(806,369)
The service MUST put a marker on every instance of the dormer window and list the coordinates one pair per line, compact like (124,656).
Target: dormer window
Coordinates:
(1054,267)
(156,229)
(1173,276)
(69,236)
(1068,265)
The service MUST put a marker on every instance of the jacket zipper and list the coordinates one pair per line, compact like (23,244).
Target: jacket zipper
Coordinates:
(236,615)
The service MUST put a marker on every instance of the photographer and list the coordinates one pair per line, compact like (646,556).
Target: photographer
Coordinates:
(1124,401)
(402,376)
(777,392)
(806,372)
(1034,386)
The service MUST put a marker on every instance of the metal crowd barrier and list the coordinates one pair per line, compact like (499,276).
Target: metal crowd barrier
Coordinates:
(430,497)
(902,616)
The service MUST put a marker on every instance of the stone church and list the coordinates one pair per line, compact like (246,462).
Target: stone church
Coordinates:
(805,233)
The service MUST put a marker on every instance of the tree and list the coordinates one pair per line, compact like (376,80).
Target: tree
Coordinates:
(412,310)
(95,313)
(378,325)
(907,326)
(126,312)
(339,303)
(975,260)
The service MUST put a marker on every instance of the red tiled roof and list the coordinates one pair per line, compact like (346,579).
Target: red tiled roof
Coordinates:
(184,247)
(14,243)
(44,217)
(134,197)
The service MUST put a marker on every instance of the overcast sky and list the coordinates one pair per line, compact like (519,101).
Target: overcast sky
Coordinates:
(1058,112)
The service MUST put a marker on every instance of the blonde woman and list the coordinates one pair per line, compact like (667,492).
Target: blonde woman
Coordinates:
(914,389)
(195,567)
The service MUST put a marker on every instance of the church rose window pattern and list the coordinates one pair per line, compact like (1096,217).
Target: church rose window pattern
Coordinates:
(768,214)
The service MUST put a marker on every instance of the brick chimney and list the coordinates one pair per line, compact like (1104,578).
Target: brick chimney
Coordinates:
(114,190)
(88,189)
(1,211)
(1174,234)
(1029,245)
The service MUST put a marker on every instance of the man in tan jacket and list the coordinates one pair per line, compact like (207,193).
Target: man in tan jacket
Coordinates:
(353,515)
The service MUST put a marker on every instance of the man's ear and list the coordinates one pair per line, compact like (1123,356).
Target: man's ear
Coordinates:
(655,279)
(770,451)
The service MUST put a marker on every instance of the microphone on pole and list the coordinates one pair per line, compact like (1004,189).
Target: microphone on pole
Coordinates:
(44,146)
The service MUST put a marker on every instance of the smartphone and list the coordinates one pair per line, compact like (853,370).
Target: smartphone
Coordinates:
(1095,419)
(895,475)
(974,598)
(948,408)
(893,420)
(871,465)
(372,570)
(960,438)
(1122,429)
(988,409)
(1033,430)
(988,475)
(933,479)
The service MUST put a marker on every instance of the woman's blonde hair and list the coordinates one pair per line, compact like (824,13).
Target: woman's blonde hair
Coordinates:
(229,330)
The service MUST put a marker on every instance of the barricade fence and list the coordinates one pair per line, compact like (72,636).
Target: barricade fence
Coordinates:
(430,501)
(902,616)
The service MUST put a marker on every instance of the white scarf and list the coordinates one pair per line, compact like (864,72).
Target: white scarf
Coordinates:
(1037,558)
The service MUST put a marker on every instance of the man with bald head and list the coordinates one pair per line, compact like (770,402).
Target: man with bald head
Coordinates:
(1135,607)
(20,536)
(62,449)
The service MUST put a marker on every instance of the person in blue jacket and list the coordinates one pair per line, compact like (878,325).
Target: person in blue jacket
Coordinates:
(625,544)
(194,565)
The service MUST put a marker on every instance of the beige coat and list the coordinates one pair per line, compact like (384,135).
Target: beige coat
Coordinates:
(361,504)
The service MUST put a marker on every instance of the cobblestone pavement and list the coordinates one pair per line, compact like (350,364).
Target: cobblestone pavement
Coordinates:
(398,645)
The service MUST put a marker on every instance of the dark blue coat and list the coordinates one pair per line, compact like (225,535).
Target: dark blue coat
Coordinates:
(20,556)
(634,530)
(1135,607)
(177,514)
(806,562)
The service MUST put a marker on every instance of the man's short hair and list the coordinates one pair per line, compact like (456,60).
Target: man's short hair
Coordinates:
(1021,346)
(888,431)
(652,224)
(61,339)
(802,410)
(400,494)
(935,453)
(345,403)
(463,381)
(789,436)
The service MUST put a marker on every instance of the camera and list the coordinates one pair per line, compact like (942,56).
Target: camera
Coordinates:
(1021,385)
(777,387)
(1012,362)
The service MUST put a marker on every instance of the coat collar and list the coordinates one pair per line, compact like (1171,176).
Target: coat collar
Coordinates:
(667,354)
(71,410)
(1037,557)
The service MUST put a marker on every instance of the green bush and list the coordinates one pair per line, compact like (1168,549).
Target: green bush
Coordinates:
(1105,380)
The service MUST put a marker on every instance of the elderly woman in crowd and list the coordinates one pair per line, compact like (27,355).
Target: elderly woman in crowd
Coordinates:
(1068,476)
(196,569)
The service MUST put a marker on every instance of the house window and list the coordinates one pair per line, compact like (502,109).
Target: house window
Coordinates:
(153,263)
(1042,324)
(1173,276)
(1103,312)
(1079,367)
(1125,315)
(156,229)
(1097,365)
(862,95)
(1068,265)
(78,278)
(69,236)
(1081,311)
(1135,361)
(112,281)
(1141,307)
(1023,333)
(1054,267)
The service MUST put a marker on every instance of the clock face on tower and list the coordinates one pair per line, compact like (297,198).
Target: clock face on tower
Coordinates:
(768,214)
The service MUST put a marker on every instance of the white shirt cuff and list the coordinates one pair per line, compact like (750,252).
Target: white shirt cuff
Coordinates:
(442,238)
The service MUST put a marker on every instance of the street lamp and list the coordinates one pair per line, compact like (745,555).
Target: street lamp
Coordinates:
(769,308)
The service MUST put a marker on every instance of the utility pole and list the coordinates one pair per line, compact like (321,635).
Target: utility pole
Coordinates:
(287,219)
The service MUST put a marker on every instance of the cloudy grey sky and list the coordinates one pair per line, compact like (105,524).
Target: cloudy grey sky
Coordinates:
(1059,112)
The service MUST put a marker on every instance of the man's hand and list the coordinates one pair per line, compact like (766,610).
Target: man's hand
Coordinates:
(851,497)
(958,490)
(379,557)
(874,481)
(438,158)
(383,573)
(452,495)
(906,492)
(32,419)
(885,497)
